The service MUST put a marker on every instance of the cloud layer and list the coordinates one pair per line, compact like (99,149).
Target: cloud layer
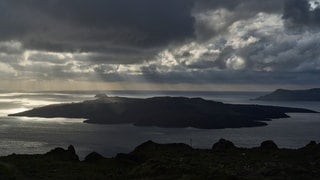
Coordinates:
(169,41)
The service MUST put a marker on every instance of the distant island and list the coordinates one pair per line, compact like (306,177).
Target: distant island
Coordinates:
(292,95)
(172,112)
(151,160)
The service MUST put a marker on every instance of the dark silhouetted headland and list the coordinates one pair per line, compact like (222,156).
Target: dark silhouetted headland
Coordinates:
(172,112)
(151,160)
(292,95)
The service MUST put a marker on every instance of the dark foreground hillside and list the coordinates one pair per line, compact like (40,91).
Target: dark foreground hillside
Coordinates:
(170,161)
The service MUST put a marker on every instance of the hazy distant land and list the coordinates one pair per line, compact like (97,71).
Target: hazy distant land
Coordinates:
(170,161)
(173,112)
(292,95)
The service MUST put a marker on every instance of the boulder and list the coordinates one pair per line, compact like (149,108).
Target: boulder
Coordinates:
(71,149)
(223,145)
(312,145)
(268,145)
(62,154)
(101,96)
(93,157)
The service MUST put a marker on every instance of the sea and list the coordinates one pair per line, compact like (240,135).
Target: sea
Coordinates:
(23,135)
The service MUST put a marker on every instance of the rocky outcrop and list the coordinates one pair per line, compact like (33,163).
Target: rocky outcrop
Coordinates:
(268,145)
(63,155)
(93,157)
(311,146)
(151,160)
(223,145)
(101,96)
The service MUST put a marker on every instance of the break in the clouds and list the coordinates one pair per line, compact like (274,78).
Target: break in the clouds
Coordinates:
(169,41)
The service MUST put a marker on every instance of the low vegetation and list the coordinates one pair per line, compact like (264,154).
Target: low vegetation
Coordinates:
(170,161)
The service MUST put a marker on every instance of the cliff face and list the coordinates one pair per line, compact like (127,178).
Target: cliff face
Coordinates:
(165,112)
(151,160)
(292,95)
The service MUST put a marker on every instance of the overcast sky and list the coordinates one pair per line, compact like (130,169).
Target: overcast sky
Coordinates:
(159,44)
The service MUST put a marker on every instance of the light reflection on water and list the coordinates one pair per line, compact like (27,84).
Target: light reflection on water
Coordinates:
(53,120)
(38,135)
(5,112)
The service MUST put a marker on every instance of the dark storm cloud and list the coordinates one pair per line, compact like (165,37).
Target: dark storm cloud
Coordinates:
(222,77)
(97,25)
(248,6)
(61,25)
(240,10)
(172,41)
(300,13)
(209,4)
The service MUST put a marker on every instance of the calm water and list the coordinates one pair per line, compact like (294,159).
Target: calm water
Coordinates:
(38,135)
